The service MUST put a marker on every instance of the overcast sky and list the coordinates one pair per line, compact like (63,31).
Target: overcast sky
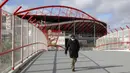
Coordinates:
(115,13)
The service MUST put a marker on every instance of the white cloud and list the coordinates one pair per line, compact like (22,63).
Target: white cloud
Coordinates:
(1,1)
(9,8)
(12,8)
(81,4)
(119,9)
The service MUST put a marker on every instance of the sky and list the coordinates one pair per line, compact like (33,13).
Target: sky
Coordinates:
(115,13)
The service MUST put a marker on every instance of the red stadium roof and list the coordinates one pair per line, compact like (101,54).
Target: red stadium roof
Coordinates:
(65,17)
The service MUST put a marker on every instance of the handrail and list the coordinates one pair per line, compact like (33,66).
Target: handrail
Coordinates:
(112,43)
(8,51)
(56,46)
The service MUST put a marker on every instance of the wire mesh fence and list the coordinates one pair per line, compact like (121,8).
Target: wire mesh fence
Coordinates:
(27,38)
(118,40)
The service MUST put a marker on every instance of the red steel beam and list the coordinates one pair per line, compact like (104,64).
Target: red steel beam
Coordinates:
(128,27)
(56,7)
(87,25)
(63,26)
(51,11)
(105,31)
(121,28)
(63,12)
(66,15)
(3,3)
(71,25)
(83,26)
(25,15)
(15,12)
(99,28)
(67,25)
(67,12)
(89,29)
(30,18)
(80,25)
(41,12)
(33,20)
(116,29)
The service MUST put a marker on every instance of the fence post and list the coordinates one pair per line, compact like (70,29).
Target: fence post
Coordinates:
(0,26)
(21,40)
(1,5)
(36,41)
(122,36)
(94,34)
(13,39)
(35,36)
(111,39)
(128,36)
(28,37)
(31,37)
(117,38)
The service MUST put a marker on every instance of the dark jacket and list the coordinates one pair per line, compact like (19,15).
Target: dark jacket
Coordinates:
(73,47)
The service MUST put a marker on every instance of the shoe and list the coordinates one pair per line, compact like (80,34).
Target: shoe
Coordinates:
(73,70)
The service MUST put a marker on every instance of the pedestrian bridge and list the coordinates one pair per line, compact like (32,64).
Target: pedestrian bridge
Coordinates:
(28,38)
(88,62)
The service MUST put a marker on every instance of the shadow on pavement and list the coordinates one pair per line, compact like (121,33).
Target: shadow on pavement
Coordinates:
(96,67)
(57,63)
(125,72)
(80,68)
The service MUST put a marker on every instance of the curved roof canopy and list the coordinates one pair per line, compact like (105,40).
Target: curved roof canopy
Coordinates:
(65,18)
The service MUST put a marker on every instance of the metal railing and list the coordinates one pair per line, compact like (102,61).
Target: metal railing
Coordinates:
(118,40)
(19,40)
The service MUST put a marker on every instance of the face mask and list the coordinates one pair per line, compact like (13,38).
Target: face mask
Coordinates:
(72,39)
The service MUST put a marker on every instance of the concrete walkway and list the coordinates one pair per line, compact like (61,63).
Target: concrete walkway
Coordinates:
(88,62)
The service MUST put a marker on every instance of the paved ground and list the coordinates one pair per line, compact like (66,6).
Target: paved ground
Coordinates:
(88,62)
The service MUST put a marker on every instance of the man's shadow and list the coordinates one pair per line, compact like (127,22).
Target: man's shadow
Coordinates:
(95,67)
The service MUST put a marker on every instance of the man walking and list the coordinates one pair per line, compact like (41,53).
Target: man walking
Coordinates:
(73,47)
